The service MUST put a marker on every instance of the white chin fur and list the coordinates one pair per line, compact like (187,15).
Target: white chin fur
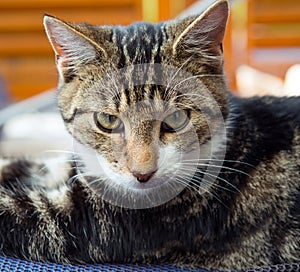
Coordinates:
(175,169)
(172,165)
(96,166)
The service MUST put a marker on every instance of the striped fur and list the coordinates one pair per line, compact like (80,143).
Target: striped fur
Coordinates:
(248,215)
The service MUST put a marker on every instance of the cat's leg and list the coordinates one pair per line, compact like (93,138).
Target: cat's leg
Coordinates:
(56,220)
(47,173)
(31,211)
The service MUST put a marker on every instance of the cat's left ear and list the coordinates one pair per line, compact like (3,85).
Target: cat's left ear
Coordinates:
(204,33)
(72,48)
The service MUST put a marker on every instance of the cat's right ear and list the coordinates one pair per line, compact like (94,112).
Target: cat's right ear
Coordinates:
(72,48)
(204,34)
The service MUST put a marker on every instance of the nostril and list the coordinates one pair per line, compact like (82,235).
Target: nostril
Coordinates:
(143,177)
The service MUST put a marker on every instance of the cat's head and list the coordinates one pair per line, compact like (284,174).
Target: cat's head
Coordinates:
(148,99)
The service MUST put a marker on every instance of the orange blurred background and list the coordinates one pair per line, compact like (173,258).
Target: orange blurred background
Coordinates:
(264,34)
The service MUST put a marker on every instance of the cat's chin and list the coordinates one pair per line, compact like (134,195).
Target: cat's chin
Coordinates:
(125,190)
(135,195)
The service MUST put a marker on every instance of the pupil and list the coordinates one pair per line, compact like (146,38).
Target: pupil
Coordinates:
(177,115)
(111,119)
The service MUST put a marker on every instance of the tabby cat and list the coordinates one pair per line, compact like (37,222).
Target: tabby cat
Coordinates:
(168,166)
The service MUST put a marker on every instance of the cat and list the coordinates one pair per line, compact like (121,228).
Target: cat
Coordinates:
(168,166)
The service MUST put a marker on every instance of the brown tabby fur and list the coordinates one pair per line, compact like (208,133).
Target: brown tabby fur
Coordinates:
(249,216)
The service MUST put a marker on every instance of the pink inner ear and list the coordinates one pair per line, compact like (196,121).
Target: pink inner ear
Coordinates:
(71,47)
(59,51)
(60,56)
(51,24)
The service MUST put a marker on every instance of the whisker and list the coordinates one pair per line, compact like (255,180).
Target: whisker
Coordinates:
(191,95)
(79,175)
(96,181)
(212,183)
(58,151)
(224,180)
(199,188)
(176,73)
(184,105)
(200,180)
(186,182)
(219,160)
(215,166)
(195,77)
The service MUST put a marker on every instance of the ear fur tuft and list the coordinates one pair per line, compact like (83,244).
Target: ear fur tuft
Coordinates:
(205,32)
(71,47)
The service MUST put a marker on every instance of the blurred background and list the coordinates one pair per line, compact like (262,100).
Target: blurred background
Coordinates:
(262,43)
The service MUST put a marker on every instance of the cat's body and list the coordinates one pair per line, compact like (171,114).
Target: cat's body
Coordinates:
(246,215)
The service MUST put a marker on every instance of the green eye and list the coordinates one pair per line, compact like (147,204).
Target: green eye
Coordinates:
(176,121)
(108,123)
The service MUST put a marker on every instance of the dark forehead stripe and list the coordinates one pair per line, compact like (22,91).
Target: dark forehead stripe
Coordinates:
(139,43)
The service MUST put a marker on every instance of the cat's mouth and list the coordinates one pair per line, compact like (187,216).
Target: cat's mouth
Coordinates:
(153,183)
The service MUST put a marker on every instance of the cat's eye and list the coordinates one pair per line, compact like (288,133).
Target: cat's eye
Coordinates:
(176,121)
(108,123)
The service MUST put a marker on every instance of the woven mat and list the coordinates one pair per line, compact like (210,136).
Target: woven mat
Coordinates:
(15,265)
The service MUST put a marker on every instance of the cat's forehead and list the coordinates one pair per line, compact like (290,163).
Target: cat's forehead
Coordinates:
(153,86)
(148,99)
(139,42)
(138,32)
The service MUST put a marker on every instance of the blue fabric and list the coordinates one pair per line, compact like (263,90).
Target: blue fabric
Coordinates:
(15,265)
(4,99)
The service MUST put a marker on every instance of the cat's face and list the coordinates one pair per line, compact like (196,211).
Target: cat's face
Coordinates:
(146,102)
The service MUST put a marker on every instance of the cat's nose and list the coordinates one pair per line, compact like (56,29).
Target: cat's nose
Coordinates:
(143,177)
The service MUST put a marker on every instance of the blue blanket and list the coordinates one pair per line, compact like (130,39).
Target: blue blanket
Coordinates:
(15,265)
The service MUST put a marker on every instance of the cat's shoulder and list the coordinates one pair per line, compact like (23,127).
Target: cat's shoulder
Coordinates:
(270,109)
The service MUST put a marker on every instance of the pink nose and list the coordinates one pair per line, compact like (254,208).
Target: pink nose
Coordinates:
(143,177)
